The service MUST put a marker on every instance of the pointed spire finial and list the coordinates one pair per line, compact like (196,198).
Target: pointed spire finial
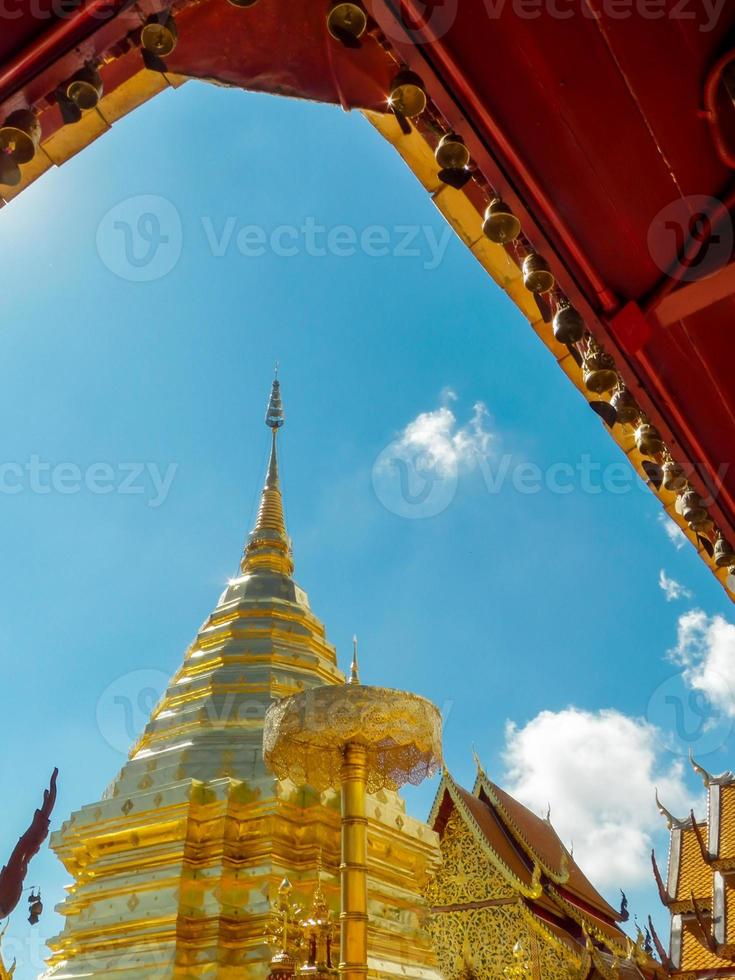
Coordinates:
(354,672)
(672,821)
(274,416)
(706,776)
(477,761)
(268,546)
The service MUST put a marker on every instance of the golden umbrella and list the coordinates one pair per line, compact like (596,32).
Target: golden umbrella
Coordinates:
(359,740)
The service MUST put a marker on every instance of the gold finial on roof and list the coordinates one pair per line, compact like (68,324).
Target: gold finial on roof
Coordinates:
(354,671)
(672,821)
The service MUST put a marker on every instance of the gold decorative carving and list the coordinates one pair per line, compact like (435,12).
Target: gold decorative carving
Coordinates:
(465,874)
(478,943)
(478,916)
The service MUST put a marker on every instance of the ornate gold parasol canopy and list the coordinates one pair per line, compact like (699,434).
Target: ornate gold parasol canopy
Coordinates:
(305,736)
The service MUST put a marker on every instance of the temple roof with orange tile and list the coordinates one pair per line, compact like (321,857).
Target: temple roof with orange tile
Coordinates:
(528,847)
(727,823)
(694,874)
(700,897)
(544,845)
(557,898)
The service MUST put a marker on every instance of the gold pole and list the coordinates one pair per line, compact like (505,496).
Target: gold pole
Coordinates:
(353,869)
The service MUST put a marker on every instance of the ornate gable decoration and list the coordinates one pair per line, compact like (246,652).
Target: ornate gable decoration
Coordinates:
(502,903)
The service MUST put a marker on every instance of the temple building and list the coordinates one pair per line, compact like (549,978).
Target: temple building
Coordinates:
(509,890)
(176,867)
(699,891)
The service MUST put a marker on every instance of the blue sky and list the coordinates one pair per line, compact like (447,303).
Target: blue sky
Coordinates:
(539,610)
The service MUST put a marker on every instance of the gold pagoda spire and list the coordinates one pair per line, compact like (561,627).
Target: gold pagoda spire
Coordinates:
(268,546)
(354,668)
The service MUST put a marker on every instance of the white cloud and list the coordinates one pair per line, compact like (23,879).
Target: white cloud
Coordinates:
(598,771)
(672,589)
(673,532)
(705,648)
(442,445)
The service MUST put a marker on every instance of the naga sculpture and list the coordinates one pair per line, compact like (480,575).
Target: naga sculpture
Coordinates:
(13,874)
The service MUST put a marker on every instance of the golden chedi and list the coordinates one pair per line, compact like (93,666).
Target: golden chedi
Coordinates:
(174,870)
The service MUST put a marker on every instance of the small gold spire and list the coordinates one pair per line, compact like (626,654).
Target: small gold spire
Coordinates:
(354,673)
(268,545)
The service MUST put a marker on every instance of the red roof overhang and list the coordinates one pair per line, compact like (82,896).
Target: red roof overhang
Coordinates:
(605,132)
(595,129)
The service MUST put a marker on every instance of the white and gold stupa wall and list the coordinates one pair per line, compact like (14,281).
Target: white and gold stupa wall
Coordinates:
(174,870)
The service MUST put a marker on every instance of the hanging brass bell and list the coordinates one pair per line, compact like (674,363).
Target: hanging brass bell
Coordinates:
(626,409)
(159,36)
(647,440)
(693,510)
(500,224)
(35,907)
(20,136)
(10,175)
(346,20)
(598,371)
(452,153)
(537,276)
(673,478)
(723,554)
(568,325)
(407,94)
(85,88)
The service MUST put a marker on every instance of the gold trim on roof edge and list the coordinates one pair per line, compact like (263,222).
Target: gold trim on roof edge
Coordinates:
(588,922)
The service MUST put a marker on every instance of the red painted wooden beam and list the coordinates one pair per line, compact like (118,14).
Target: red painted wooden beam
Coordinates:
(695,296)
(56,42)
